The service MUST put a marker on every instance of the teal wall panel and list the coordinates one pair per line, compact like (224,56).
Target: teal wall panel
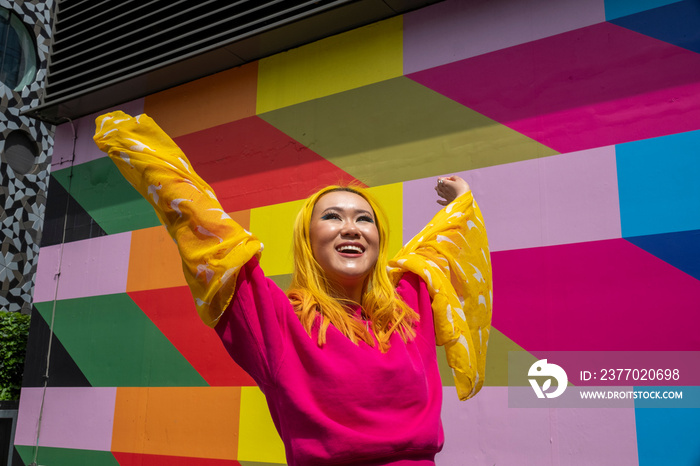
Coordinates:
(658,184)
(617,8)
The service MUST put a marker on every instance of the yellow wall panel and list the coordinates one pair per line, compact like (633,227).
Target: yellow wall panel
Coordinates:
(258,439)
(273,225)
(346,61)
(390,197)
(200,422)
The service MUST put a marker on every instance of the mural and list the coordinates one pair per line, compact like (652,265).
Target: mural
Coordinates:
(577,124)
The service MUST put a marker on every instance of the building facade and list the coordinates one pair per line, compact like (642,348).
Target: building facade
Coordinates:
(25,153)
(575,122)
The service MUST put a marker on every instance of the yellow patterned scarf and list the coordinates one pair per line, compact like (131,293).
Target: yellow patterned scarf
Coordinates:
(451,255)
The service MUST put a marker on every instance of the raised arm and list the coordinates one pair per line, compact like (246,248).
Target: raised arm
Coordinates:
(452,257)
(450,188)
(212,246)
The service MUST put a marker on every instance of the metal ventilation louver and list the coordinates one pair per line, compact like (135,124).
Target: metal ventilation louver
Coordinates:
(133,47)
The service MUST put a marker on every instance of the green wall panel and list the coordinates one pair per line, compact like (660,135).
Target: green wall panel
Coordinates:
(109,199)
(66,457)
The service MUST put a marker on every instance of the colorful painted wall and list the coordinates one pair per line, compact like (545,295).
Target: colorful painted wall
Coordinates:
(577,123)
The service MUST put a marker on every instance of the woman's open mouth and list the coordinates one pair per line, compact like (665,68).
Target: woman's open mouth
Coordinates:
(351,250)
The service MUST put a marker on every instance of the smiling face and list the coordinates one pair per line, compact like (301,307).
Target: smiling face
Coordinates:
(344,239)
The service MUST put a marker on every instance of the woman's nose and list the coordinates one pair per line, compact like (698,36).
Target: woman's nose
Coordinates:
(350,229)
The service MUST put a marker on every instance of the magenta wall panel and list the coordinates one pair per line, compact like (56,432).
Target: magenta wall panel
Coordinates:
(81,273)
(79,418)
(566,198)
(602,295)
(591,87)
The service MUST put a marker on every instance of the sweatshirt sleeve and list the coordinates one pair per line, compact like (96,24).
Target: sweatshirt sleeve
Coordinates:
(452,257)
(212,246)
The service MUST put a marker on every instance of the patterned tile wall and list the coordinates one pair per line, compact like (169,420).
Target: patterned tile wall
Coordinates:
(23,196)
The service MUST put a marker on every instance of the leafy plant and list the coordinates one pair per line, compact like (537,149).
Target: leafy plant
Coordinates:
(14,329)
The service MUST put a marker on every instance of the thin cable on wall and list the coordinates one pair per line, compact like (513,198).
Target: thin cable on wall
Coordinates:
(55,296)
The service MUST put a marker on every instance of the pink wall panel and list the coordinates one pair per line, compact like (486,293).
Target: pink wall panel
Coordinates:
(456,29)
(90,267)
(561,199)
(85,148)
(485,431)
(79,418)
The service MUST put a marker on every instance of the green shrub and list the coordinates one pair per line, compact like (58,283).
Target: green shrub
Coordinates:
(14,329)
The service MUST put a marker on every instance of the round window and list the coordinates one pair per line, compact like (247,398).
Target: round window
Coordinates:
(20,152)
(17,52)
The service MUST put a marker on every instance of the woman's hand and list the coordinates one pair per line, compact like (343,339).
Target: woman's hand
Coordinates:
(450,188)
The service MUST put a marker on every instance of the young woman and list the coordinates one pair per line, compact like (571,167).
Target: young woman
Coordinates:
(346,358)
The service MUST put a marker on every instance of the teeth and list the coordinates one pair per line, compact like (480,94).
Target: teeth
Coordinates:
(350,249)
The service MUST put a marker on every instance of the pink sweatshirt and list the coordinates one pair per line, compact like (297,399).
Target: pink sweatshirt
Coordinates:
(342,403)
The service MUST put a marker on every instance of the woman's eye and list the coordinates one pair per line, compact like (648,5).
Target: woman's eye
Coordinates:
(365,218)
(330,216)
